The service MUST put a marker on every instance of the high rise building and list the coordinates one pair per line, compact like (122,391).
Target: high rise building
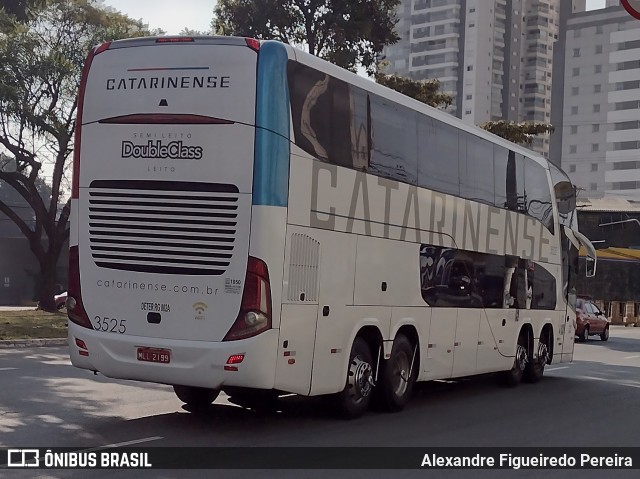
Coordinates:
(493,56)
(598,121)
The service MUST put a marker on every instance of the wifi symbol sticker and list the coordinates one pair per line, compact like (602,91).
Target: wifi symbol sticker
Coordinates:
(200,308)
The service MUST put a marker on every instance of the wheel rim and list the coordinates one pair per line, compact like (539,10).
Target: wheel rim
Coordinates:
(400,374)
(360,380)
(586,334)
(543,354)
(521,358)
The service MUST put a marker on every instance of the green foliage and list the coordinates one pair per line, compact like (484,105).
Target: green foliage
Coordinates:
(521,133)
(426,91)
(345,32)
(41,62)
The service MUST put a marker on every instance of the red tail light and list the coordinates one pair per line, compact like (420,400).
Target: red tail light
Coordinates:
(75,308)
(255,311)
(253,43)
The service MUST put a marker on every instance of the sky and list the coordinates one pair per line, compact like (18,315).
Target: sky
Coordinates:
(174,15)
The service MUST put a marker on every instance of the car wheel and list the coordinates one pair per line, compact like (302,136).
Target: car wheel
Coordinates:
(585,335)
(605,334)
(196,397)
(398,376)
(354,399)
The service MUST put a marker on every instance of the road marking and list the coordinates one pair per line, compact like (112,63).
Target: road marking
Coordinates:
(632,357)
(126,443)
(7,369)
(558,368)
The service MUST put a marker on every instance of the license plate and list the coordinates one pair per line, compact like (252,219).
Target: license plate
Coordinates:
(154,355)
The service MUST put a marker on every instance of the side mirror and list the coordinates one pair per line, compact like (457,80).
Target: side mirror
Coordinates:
(591,267)
(572,298)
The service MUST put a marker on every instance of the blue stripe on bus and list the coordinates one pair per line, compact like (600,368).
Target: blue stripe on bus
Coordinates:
(271,166)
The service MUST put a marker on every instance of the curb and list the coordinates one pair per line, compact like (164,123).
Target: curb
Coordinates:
(29,343)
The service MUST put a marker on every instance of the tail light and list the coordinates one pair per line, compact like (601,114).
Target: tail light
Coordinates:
(255,311)
(75,308)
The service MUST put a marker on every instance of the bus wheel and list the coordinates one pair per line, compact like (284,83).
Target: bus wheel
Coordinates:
(513,377)
(534,369)
(196,397)
(354,399)
(398,375)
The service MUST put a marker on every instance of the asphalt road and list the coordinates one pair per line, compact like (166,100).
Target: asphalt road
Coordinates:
(594,401)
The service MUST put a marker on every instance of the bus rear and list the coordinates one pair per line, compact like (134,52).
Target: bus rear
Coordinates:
(162,285)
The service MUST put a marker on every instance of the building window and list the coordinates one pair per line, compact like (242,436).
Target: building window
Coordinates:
(598,29)
(573,149)
(576,52)
(593,186)
(572,168)
(471,10)
(470,68)
(595,147)
(598,49)
(469,97)
(576,33)
(575,72)
(596,108)
(595,128)
(594,166)
(574,130)
(574,110)
(597,88)
(597,69)
(575,90)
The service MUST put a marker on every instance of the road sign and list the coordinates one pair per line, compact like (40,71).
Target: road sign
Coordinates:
(633,7)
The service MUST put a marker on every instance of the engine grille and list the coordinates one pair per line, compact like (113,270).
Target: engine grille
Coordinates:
(163,227)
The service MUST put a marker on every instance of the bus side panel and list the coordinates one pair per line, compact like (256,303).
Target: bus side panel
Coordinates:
(442,332)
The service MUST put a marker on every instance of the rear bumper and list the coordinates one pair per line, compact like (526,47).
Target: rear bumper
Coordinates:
(193,363)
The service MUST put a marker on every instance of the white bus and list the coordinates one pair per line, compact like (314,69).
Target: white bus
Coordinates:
(249,218)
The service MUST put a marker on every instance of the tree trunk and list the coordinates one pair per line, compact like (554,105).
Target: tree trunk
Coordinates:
(47,283)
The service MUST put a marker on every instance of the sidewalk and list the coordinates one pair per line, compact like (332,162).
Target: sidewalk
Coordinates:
(17,308)
(28,343)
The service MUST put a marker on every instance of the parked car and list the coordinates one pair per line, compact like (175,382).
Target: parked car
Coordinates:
(60,300)
(590,321)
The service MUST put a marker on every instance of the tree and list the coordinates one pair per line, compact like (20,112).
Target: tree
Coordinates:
(345,32)
(426,91)
(41,59)
(522,133)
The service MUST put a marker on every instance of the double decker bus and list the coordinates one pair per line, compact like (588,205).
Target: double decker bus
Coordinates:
(251,219)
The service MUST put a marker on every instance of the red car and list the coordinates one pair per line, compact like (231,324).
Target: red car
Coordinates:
(60,300)
(590,321)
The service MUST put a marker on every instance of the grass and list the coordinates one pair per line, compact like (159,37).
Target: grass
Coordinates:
(32,325)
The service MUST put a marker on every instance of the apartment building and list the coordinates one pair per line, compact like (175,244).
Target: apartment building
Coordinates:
(598,130)
(493,56)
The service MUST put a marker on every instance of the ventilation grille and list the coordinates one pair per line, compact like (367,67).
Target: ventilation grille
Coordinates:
(163,227)
(303,268)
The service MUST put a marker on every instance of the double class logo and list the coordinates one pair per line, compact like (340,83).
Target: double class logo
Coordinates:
(174,150)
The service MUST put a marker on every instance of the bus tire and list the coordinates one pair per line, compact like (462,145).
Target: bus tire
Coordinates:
(514,376)
(395,387)
(196,397)
(354,399)
(534,370)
